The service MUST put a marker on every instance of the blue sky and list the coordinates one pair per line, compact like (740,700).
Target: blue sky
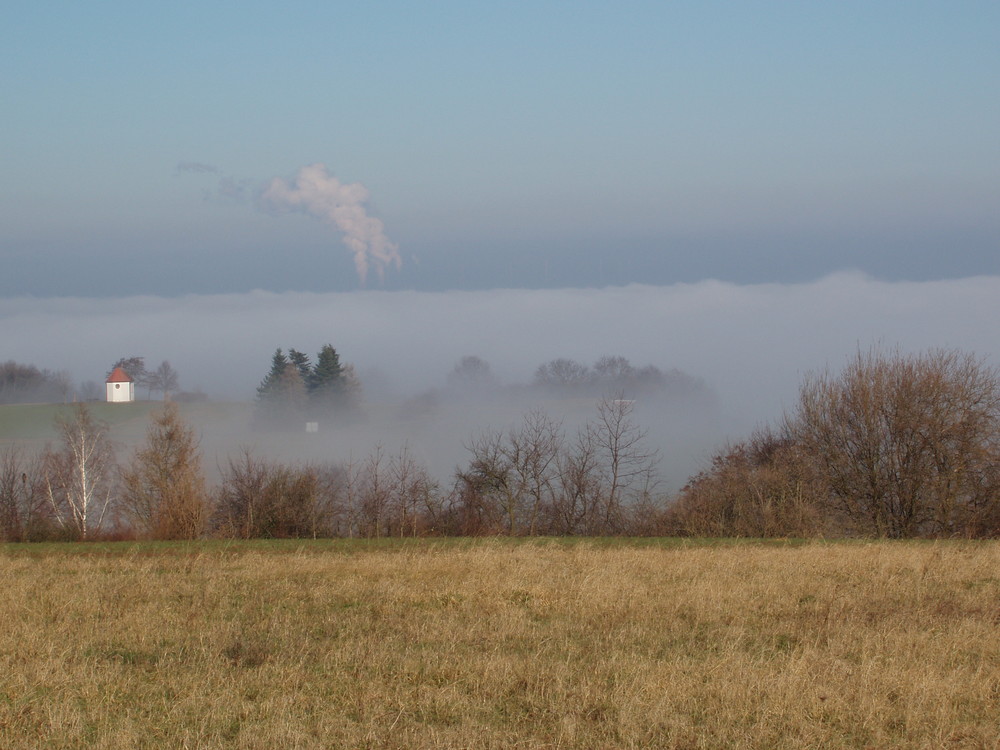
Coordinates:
(501,144)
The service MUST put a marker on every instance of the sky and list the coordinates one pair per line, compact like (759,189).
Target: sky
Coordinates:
(188,148)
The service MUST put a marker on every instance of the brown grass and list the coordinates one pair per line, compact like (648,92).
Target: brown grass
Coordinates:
(495,645)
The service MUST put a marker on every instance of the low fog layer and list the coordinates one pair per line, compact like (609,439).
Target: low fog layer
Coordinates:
(750,345)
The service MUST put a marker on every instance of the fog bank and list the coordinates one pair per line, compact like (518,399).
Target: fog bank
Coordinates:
(749,343)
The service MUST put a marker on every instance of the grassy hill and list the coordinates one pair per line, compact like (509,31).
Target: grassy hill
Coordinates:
(38,421)
(33,425)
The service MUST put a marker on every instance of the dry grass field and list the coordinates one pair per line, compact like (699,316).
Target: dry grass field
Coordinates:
(497,645)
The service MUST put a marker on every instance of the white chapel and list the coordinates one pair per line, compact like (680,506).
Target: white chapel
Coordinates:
(120,387)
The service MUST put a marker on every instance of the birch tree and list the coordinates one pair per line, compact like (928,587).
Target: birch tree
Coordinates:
(79,475)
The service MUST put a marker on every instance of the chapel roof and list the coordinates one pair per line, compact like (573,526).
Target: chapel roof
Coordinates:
(118,375)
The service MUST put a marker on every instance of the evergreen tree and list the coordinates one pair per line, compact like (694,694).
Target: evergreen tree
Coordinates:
(328,375)
(328,370)
(294,389)
(335,386)
(269,386)
(301,362)
(274,391)
(292,397)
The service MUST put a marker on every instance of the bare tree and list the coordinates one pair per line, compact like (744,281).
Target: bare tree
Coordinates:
(413,494)
(163,489)
(761,487)
(349,511)
(24,509)
(483,498)
(164,379)
(532,452)
(305,499)
(375,493)
(78,476)
(906,445)
(240,509)
(614,370)
(512,479)
(528,481)
(562,373)
(577,505)
(471,375)
(27,384)
(627,464)
(261,499)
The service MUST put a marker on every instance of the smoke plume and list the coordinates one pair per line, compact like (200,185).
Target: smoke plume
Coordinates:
(315,192)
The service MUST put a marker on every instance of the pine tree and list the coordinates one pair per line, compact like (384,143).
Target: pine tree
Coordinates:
(292,396)
(327,376)
(269,386)
(328,370)
(272,402)
(301,361)
(335,386)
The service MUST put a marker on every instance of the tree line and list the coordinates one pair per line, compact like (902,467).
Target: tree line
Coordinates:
(893,446)
(567,377)
(528,480)
(25,384)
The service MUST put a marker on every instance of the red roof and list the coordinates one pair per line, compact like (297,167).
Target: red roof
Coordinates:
(118,375)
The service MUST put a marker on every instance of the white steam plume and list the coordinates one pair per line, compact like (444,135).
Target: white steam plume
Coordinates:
(320,194)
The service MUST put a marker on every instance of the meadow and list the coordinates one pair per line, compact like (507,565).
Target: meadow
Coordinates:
(499,643)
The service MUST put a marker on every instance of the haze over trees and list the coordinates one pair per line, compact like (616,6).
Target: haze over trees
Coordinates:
(471,376)
(25,384)
(615,374)
(891,446)
(533,480)
(295,389)
(164,379)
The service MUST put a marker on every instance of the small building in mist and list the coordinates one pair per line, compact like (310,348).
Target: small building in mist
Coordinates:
(120,387)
